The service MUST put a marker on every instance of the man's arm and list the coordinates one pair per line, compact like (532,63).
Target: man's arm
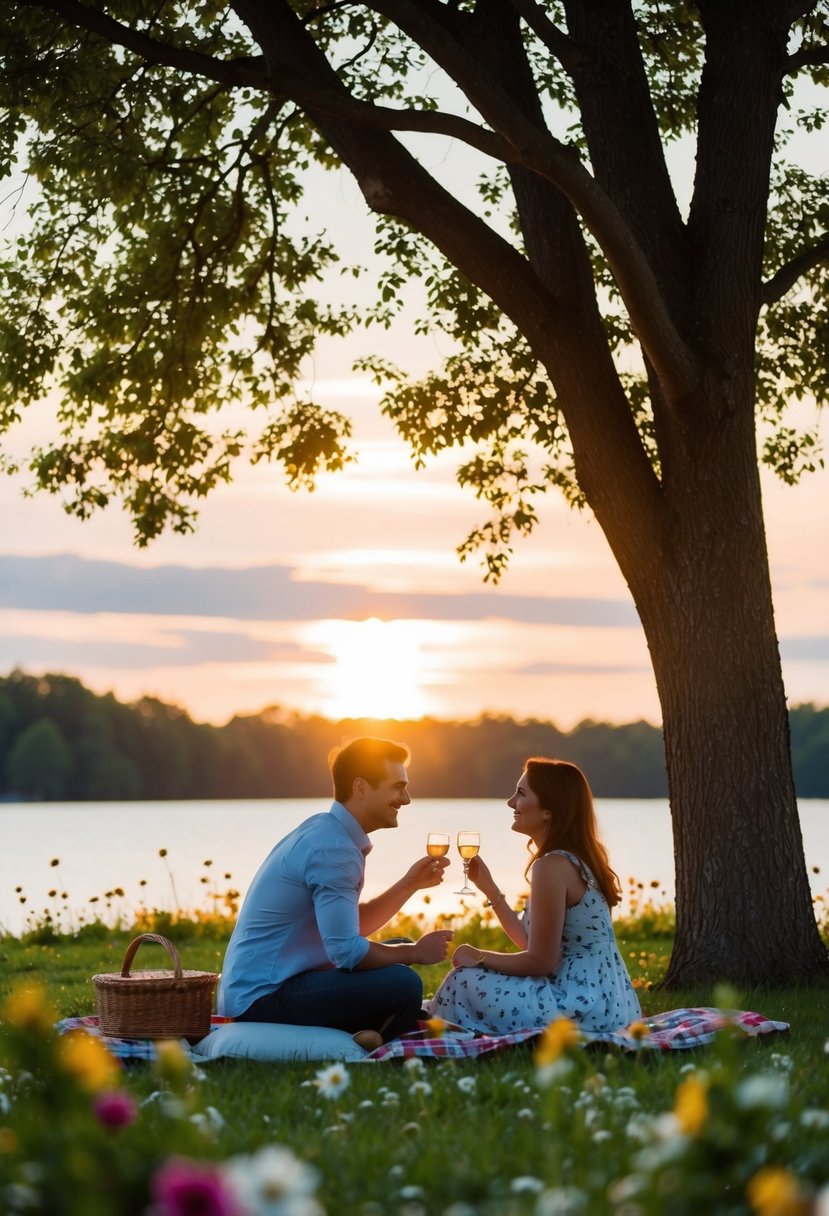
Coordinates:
(374,913)
(430,948)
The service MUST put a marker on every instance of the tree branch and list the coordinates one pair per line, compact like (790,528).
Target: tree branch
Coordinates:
(243,72)
(387,118)
(535,148)
(556,41)
(549,158)
(806,57)
(776,287)
(521,143)
(393,182)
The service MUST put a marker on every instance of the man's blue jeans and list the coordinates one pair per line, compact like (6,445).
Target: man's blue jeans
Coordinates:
(387,999)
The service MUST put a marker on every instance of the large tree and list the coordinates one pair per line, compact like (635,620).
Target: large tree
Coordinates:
(609,339)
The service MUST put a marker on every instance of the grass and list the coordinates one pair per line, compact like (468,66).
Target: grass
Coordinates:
(499,1136)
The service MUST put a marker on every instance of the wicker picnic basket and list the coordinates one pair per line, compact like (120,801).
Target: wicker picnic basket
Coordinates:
(154,1004)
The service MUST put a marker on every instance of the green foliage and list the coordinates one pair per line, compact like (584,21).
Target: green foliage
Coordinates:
(162,272)
(158,282)
(39,761)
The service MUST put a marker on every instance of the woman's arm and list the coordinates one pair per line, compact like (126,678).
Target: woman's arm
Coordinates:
(509,921)
(554,883)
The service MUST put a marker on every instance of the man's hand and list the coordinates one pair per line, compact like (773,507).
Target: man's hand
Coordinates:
(432,947)
(427,872)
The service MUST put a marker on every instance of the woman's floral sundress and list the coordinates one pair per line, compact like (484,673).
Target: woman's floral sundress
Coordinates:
(591,984)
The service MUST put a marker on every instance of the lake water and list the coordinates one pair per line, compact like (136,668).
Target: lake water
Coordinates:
(100,846)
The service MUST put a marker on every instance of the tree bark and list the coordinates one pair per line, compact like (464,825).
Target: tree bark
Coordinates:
(704,597)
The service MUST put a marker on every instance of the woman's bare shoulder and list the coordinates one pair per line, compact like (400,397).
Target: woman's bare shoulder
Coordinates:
(553,866)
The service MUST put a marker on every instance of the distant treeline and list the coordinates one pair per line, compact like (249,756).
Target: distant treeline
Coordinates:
(60,741)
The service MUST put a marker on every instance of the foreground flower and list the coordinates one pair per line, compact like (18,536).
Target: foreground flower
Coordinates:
(435,1027)
(638,1031)
(86,1059)
(115,1109)
(774,1191)
(525,1184)
(556,1039)
(192,1188)
(691,1104)
(209,1121)
(273,1182)
(764,1090)
(172,1062)
(332,1081)
(29,1009)
(561,1201)
(9,1142)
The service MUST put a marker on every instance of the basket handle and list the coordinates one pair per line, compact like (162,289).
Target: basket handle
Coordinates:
(151,937)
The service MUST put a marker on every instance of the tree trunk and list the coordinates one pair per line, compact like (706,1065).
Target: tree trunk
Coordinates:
(706,607)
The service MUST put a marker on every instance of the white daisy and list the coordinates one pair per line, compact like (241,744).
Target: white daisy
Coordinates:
(332,1081)
(273,1182)
(526,1185)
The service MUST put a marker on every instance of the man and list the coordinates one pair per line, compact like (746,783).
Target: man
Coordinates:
(300,952)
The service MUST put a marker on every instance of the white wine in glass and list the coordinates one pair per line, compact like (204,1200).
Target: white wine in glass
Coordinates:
(468,845)
(437,844)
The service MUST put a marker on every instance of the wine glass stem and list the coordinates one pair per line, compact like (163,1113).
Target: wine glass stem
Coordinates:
(466,873)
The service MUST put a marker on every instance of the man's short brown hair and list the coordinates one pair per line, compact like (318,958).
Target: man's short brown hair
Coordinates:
(365,757)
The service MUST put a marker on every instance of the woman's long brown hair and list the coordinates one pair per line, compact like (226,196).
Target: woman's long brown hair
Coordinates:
(563,789)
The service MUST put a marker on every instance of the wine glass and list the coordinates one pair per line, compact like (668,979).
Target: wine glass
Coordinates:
(468,845)
(437,844)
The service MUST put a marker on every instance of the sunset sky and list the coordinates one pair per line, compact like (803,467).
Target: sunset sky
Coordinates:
(352,600)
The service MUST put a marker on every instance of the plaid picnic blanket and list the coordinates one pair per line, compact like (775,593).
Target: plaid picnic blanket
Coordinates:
(127,1050)
(675,1030)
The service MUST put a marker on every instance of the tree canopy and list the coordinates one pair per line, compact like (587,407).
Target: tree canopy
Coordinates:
(165,272)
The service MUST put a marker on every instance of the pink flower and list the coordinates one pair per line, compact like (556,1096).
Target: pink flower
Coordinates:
(114,1108)
(191,1188)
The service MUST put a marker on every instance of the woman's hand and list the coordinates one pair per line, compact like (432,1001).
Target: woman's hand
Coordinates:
(466,956)
(480,874)
(427,872)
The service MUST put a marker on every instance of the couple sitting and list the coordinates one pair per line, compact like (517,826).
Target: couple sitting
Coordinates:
(300,952)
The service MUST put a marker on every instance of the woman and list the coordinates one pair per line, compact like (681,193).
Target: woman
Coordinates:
(567,963)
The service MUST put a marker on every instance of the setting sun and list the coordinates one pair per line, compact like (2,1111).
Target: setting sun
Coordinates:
(377,669)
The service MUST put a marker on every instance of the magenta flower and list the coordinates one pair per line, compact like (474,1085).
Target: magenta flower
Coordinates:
(116,1109)
(191,1188)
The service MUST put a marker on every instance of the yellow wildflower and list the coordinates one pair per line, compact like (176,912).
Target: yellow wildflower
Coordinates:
(8,1140)
(29,1009)
(557,1037)
(436,1027)
(691,1104)
(638,1031)
(172,1063)
(88,1061)
(774,1191)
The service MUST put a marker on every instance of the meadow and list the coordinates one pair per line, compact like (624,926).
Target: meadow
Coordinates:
(741,1126)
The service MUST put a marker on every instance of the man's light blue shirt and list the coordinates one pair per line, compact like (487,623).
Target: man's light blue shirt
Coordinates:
(301,912)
